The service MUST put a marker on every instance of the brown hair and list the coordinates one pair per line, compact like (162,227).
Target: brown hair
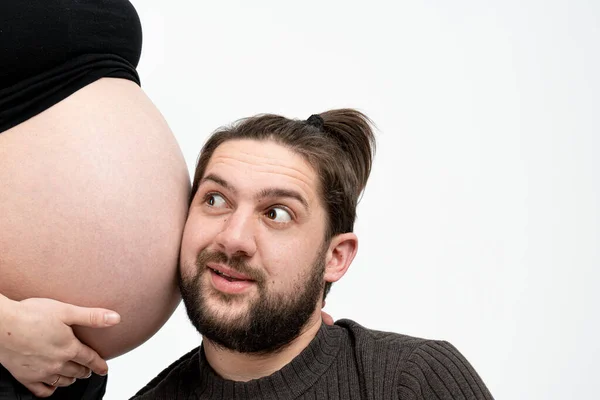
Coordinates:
(339,144)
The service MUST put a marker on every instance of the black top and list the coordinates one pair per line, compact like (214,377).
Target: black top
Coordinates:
(344,361)
(92,388)
(49,49)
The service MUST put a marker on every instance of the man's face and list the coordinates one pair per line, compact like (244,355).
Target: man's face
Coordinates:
(253,254)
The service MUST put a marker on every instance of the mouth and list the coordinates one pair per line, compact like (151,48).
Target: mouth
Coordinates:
(228,277)
(226,280)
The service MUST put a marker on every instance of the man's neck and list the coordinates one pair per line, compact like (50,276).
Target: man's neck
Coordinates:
(243,367)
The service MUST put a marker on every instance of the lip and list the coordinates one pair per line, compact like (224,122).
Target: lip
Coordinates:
(228,271)
(224,285)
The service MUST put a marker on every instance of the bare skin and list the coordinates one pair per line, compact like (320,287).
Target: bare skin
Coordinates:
(37,339)
(94,198)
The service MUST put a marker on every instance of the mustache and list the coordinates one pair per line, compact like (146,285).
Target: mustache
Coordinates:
(236,263)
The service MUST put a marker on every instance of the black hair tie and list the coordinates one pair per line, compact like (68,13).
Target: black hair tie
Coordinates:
(316,121)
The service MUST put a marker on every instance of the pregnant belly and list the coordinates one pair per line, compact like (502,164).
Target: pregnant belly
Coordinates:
(93,200)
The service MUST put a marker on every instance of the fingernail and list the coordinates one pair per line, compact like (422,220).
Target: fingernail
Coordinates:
(103,373)
(111,318)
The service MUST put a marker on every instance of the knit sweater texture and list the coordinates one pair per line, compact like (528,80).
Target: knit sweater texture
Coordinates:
(345,361)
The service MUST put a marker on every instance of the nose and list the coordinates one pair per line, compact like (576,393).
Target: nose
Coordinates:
(237,236)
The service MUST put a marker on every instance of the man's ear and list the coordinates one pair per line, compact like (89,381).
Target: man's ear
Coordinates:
(340,254)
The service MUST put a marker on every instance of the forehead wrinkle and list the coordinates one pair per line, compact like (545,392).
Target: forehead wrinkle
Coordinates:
(268,168)
(239,148)
(266,161)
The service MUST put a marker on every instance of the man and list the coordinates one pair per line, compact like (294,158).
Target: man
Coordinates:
(269,230)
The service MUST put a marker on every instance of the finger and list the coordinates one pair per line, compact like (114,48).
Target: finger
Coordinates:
(74,370)
(40,390)
(61,381)
(90,359)
(327,319)
(90,317)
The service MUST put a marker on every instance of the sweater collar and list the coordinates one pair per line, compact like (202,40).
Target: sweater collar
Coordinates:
(289,382)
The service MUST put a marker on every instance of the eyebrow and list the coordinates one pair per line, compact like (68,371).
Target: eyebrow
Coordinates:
(264,193)
(219,181)
(277,192)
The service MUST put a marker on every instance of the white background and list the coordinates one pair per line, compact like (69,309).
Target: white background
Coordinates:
(480,223)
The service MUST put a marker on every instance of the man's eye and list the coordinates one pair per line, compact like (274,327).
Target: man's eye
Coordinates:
(215,200)
(278,214)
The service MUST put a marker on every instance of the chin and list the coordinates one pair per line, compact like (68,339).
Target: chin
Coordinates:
(230,309)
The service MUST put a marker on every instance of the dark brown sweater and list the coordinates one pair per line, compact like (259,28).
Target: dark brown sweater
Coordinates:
(344,361)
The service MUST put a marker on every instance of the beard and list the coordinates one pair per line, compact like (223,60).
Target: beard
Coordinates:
(272,320)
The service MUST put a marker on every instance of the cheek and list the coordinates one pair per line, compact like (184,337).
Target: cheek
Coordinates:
(285,261)
(197,236)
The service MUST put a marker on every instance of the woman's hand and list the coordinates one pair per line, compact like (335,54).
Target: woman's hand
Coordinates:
(38,347)
(327,319)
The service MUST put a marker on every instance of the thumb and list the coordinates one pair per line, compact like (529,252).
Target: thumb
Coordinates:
(90,317)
